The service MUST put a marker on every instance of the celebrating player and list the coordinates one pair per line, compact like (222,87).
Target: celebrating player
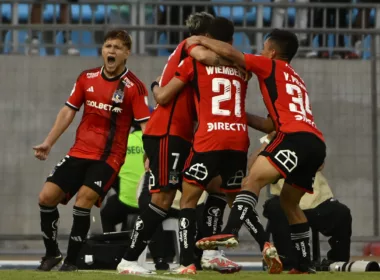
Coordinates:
(112,97)
(167,142)
(221,140)
(296,153)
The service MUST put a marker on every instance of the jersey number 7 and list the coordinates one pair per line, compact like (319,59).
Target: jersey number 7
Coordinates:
(216,100)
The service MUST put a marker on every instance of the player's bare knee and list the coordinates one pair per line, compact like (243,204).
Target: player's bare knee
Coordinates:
(50,195)
(47,200)
(86,197)
(246,183)
(190,195)
(252,183)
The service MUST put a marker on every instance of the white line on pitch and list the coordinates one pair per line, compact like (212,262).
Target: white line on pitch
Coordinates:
(153,276)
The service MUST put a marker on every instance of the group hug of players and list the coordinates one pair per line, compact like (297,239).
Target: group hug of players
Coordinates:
(195,140)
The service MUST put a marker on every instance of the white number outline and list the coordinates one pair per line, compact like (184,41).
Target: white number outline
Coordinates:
(303,107)
(216,100)
(176,155)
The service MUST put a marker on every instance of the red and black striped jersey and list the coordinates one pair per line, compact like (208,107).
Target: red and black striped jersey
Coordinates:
(285,95)
(110,105)
(219,93)
(177,117)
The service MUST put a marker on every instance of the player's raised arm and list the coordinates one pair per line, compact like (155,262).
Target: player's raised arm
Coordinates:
(223,49)
(207,57)
(184,73)
(265,125)
(165,94)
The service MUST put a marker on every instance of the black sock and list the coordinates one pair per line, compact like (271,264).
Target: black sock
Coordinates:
(145,226)
(213,214)
(49,229)
(255,228)
(245,202)
(79,230)
(187,231)
(300,237)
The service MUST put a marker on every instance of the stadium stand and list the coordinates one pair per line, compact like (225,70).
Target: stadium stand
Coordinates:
(98,14)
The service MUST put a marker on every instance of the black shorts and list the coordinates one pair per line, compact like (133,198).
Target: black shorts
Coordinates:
(201,168)
(167,156)
(297,156)
(71,173)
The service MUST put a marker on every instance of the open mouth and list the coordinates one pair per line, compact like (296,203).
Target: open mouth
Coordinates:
(111,59)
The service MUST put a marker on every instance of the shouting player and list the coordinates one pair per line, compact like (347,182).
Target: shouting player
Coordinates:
(296,153)
(221,140)
(167,141)
(112,97)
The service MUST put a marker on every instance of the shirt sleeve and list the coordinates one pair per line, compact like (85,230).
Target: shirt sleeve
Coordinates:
(77,95)
(259,65)
(140,107)
(185,70)
(172,64)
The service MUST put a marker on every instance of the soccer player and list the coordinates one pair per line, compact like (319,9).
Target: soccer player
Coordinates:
(296,153)
(323,211)
(221,140)
(112,97)
(167,142)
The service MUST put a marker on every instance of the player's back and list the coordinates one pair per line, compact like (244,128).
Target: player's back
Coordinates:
(175,118)
(220,93)
(284,93)
(293,104)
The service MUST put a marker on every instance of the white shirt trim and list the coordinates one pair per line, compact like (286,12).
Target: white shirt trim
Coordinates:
(143,119)
(68,103)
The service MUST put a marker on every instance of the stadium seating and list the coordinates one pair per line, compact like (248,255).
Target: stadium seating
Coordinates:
(83,13)
(237,14)
(100,13)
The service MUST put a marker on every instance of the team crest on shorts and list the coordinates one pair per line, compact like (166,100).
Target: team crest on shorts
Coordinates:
(118,96)
(173,178)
